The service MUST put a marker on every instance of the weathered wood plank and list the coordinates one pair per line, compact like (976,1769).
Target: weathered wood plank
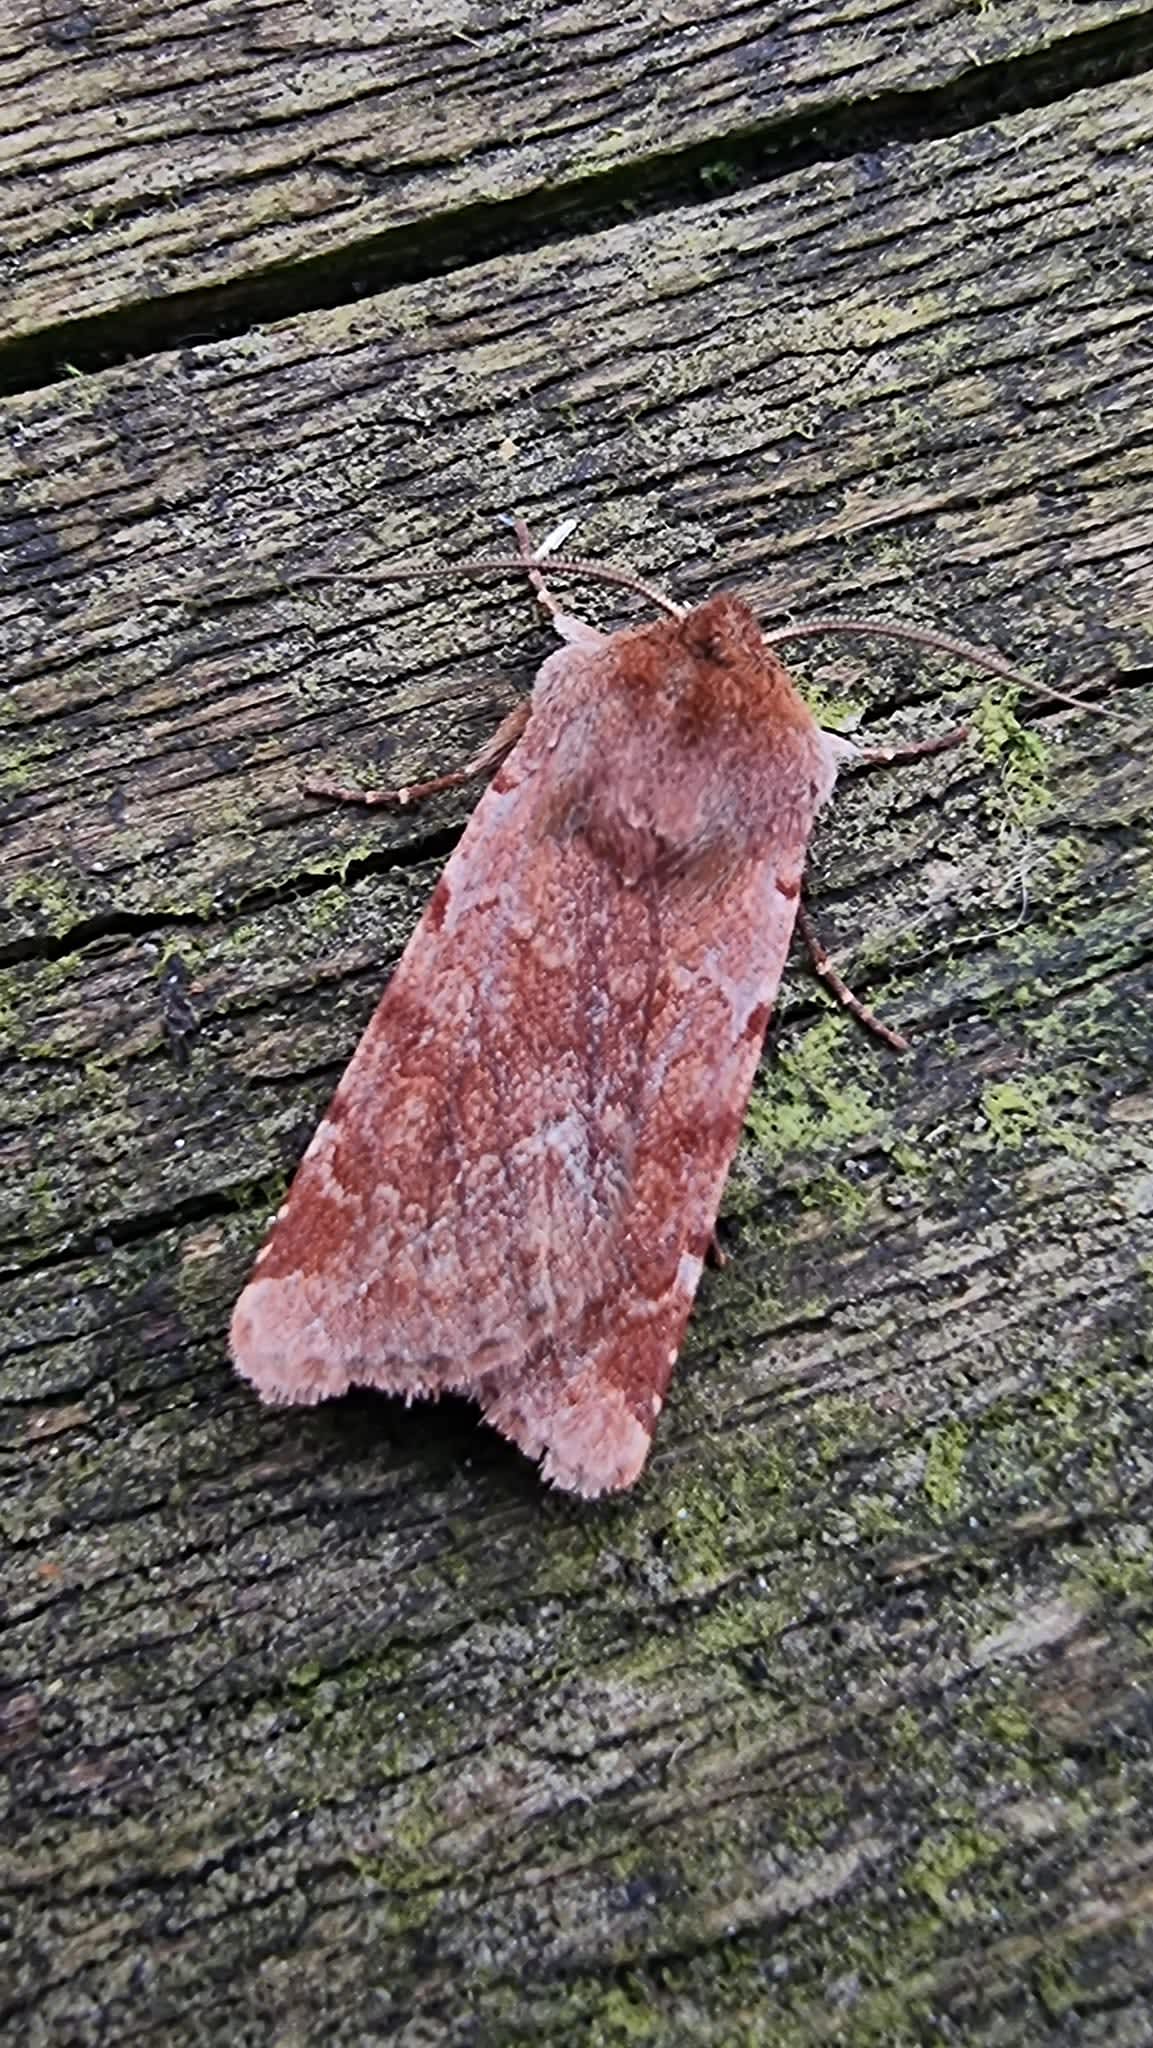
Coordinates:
(332,1726)
(150,152)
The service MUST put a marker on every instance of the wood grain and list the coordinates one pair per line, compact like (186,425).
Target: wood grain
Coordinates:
(151,153)
(332,1726)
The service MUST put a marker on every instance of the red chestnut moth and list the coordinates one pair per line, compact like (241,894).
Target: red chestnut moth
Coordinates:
(514,1188)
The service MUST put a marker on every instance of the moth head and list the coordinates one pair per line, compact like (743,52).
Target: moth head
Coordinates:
(721,676)
(722,633)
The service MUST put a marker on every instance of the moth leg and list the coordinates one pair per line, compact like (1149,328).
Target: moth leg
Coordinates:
(823,966)
(485,762)
(886,757)
(849,755)
(571,629)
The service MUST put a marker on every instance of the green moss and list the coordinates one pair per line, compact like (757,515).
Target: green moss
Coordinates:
(905,1731)
(839,1424)
(189,951)
(360,849)
(833,713)
(886,951)
(1019,755)
(325,913)
(1063,1440)
(1120,1565)
(37,1049)
(712,1514)
(1018,1114)
(1067,858)
(876,1519)
(908,1161)
(48,897)
(1086,1020)
(944,1465)
(622,2017)
(944,1858)
(838,1196)
(19,770)
(1054,1983)
(41,1206)
(1014,1111)
(1008,1724)
(304,1677)
(804,1108)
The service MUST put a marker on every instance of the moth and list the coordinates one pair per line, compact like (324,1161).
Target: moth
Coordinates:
(515,1186)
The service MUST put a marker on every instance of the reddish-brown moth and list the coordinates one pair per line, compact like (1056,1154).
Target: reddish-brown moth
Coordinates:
(514,1189)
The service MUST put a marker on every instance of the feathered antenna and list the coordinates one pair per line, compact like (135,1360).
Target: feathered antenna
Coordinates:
(937,643)
(533,562)
(518,565)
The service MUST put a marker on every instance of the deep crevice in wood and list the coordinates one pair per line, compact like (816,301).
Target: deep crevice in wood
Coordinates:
(524,222)
(433,845)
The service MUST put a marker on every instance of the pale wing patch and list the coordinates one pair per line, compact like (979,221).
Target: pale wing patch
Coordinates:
(585,1432)
(689,1270)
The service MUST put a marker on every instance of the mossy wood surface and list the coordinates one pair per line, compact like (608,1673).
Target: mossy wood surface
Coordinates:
(335,1726)
(151,153)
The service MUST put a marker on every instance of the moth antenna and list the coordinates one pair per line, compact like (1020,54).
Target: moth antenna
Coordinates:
(516,565)
(938,643)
